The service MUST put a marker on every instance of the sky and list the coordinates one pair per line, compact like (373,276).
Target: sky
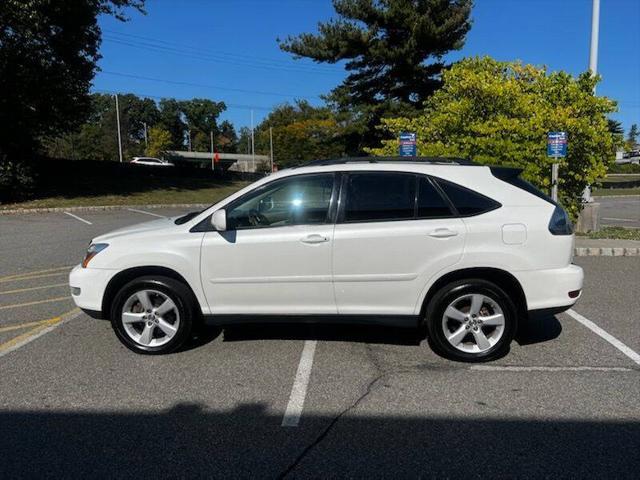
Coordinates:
(227,50)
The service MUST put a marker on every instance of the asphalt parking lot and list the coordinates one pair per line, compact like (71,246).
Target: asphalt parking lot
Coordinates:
(305,401)
(620,211)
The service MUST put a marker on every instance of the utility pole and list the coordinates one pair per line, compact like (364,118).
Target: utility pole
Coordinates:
(146,138)
(213,154)
(189,132)
(271,146)
(118,123)
(253,146)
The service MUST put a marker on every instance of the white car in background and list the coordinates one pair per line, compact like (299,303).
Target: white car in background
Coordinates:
(154,162)
(468,251)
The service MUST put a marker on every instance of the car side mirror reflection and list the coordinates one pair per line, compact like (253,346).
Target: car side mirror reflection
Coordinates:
(219,220)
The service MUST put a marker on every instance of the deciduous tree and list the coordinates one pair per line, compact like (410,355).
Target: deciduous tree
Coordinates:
(499,113)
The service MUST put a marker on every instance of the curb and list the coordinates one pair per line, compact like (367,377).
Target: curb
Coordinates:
(606,252)
(101,208)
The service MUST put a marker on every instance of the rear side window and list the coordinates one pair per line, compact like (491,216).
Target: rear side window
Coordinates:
(466,201)
(379,196)
(430,202)
(512,177)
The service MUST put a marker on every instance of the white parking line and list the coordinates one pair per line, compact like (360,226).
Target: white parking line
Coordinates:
(516,368)
(608,337)
(619,219)
(146,213)
(78,218)
(299,390)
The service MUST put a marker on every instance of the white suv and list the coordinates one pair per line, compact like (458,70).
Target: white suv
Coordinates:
(466,250)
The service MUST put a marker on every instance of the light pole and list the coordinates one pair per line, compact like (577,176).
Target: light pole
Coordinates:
(595,31)
(593,67)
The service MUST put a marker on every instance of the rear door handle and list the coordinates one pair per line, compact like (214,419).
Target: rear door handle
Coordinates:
(443,233)
(314,238)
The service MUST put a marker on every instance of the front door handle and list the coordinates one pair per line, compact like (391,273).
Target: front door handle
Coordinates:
(443,233)
(315,238)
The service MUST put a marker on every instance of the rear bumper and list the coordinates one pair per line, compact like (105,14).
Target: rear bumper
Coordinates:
(550,289)
(88,286)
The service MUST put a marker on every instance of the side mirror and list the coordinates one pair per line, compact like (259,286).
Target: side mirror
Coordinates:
(219,220)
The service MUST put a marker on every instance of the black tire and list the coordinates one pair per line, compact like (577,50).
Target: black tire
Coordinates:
(177,292)
(448,294)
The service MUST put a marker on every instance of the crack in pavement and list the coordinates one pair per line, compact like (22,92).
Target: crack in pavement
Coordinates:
(370,387)
(382,374)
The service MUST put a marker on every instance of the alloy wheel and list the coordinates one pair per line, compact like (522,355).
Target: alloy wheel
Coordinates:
(150,318)
(473,323)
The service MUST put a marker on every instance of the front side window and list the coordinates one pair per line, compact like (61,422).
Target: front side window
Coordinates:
(300,200)
(379,197)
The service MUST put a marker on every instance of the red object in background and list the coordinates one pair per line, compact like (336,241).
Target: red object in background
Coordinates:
(216,157)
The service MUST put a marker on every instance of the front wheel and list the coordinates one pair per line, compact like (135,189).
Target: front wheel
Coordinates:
(153,315)
(471,321)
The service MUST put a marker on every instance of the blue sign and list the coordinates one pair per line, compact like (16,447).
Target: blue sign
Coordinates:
(557,144)
(408,144)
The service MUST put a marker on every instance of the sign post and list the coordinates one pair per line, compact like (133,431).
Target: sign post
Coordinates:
(556,148)
(408,144)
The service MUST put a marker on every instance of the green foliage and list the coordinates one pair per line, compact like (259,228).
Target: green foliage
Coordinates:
(227,139)
(499,113)
(159,142)
(97,138)
(618,233)
(393,51)
(48,55)
(16,179)
(301,132)
(624,168)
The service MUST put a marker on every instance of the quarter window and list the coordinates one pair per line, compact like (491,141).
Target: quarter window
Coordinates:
(379,196)
(297,200)
(430,202)
(466,201)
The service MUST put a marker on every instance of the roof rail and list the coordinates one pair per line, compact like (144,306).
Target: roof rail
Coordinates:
(431,160)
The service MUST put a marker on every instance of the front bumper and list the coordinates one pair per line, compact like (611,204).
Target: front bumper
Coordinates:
(88,286)
(550,289)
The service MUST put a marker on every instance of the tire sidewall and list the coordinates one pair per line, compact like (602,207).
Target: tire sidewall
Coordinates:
(448,294)
(173,289)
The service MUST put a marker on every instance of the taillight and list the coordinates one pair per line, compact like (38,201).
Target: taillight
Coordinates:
(560,224)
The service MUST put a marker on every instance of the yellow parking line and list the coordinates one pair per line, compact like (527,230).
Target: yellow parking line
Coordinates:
(48,300)
(56,269)
(40,329)
(4,280)
(8,344)
(20,290)
(20,326)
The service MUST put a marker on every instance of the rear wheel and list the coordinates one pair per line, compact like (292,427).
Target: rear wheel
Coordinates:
(153,315)
(471,321)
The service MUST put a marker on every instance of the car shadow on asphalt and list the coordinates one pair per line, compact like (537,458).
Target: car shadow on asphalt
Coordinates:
(538,330)
(542,329)
(192,441)
(375,334)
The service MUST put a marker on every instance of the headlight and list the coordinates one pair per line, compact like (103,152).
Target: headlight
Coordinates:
(92,251)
